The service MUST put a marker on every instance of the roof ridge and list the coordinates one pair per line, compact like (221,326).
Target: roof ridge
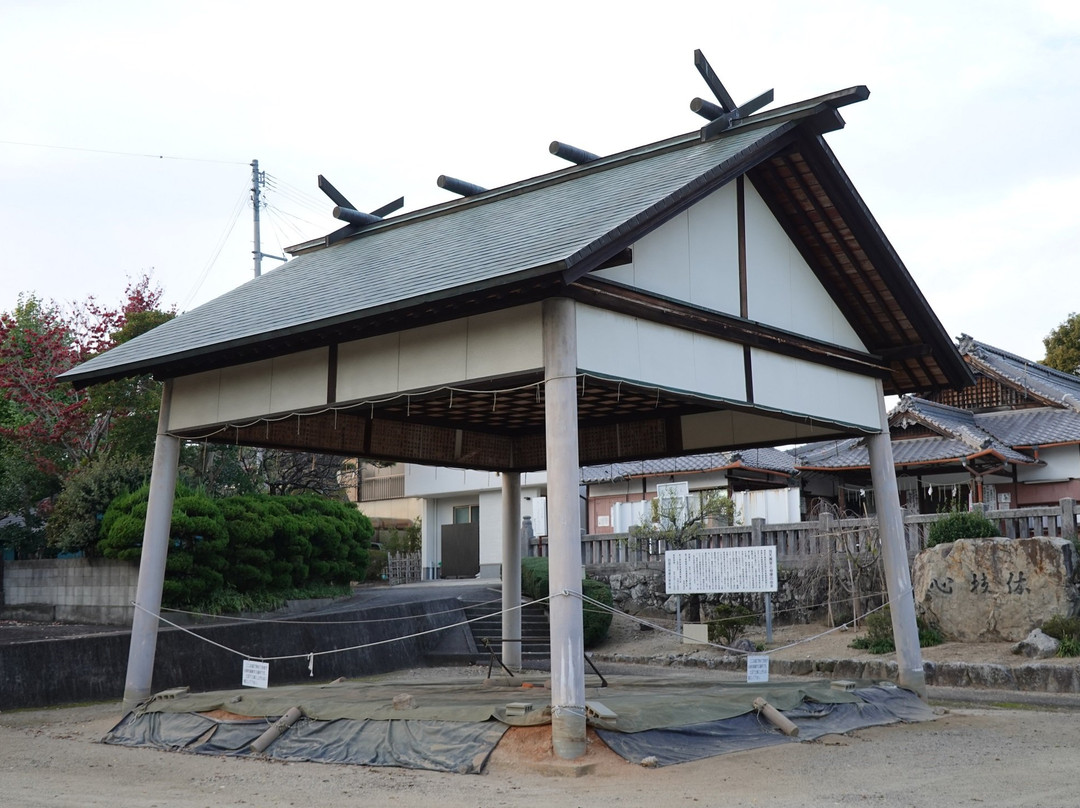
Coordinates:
(773,117)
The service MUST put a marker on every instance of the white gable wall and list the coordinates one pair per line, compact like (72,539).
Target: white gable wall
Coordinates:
(782,291)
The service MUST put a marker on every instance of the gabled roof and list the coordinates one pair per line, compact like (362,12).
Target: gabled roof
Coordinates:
(1038,381)
(1009,436)
(958,426)
(536,238)
(768,461)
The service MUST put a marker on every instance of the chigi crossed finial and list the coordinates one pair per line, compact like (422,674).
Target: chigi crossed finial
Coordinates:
(725,113)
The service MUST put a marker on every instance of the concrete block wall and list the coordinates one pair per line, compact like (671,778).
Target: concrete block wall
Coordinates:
(70,590)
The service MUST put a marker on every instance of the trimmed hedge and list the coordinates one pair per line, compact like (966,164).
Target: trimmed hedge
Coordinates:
(248,546)
(961,525)
(595,620)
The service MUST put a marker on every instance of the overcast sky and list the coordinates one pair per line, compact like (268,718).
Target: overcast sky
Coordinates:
(127,128)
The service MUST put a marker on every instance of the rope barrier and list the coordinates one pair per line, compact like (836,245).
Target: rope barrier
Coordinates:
(664,629)
(309,656)
(238,619)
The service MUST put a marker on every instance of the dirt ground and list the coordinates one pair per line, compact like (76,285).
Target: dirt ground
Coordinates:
(988,756)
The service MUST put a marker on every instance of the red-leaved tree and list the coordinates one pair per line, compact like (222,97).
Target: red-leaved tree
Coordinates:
(56,426)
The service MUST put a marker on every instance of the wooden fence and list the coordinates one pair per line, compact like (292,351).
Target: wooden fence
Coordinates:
(802,543)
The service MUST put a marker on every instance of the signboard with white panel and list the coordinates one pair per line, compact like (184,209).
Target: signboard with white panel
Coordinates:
(736,569)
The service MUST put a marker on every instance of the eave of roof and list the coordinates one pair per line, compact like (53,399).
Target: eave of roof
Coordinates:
(1043,383)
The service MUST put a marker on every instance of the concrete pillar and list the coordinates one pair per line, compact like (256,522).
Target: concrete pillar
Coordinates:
(511,570)
(155,549)
(564,530)
(895,558)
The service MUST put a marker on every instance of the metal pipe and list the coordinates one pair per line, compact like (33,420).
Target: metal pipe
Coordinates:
(275,730)
(910,673)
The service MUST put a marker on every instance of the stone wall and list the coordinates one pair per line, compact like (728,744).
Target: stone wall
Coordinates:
(70,590)
(92,668)
(802,594)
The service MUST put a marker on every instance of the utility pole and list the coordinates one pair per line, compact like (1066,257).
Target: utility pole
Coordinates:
(258,179)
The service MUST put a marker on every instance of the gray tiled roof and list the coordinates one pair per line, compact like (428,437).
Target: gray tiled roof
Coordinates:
(1033,427)
(963,426)
(1052,386)
(753,459)
(535,227)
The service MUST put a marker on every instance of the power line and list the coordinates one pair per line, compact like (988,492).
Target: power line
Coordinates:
(119,153)
(233,217)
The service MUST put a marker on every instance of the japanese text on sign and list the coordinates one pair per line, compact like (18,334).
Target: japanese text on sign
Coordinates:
(739,569)
(256,674)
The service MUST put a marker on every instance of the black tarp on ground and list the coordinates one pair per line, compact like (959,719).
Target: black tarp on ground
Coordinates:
(877,706)
(448,746)
(454,726)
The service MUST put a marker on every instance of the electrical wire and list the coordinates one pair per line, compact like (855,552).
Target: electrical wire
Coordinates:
(120,153)
(222,240)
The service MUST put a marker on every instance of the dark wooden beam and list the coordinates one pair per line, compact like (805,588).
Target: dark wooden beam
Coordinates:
(627,300)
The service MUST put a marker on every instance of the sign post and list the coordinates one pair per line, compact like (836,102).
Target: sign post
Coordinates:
(725,570)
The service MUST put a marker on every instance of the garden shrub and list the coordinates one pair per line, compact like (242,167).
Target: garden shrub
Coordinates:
(729,622)
(961,525)
(879,634)
(1066,630)
(248,549)
(596,621)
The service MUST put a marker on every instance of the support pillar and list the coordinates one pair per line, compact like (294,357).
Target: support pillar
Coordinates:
(511,570)
(895,557)
(155,549)
(564,530)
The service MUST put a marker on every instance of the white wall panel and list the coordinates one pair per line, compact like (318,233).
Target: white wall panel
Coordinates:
(694,257)
(195,400)
(505,342)
(367,368)
(662,259)
(782,290)
(299,380)
(245,391)
(714,252)
(794,385)
(433,355)
(494,344)
(642,351)
(1062,463)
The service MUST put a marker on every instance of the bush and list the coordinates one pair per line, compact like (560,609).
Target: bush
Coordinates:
(250,549)
(961,525)
(1066,630)
(596,621)
(75,523)
(730,621)
(879,634)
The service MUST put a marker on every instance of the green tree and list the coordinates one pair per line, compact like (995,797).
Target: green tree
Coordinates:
(75,521)
(1063,346)
(676,523)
